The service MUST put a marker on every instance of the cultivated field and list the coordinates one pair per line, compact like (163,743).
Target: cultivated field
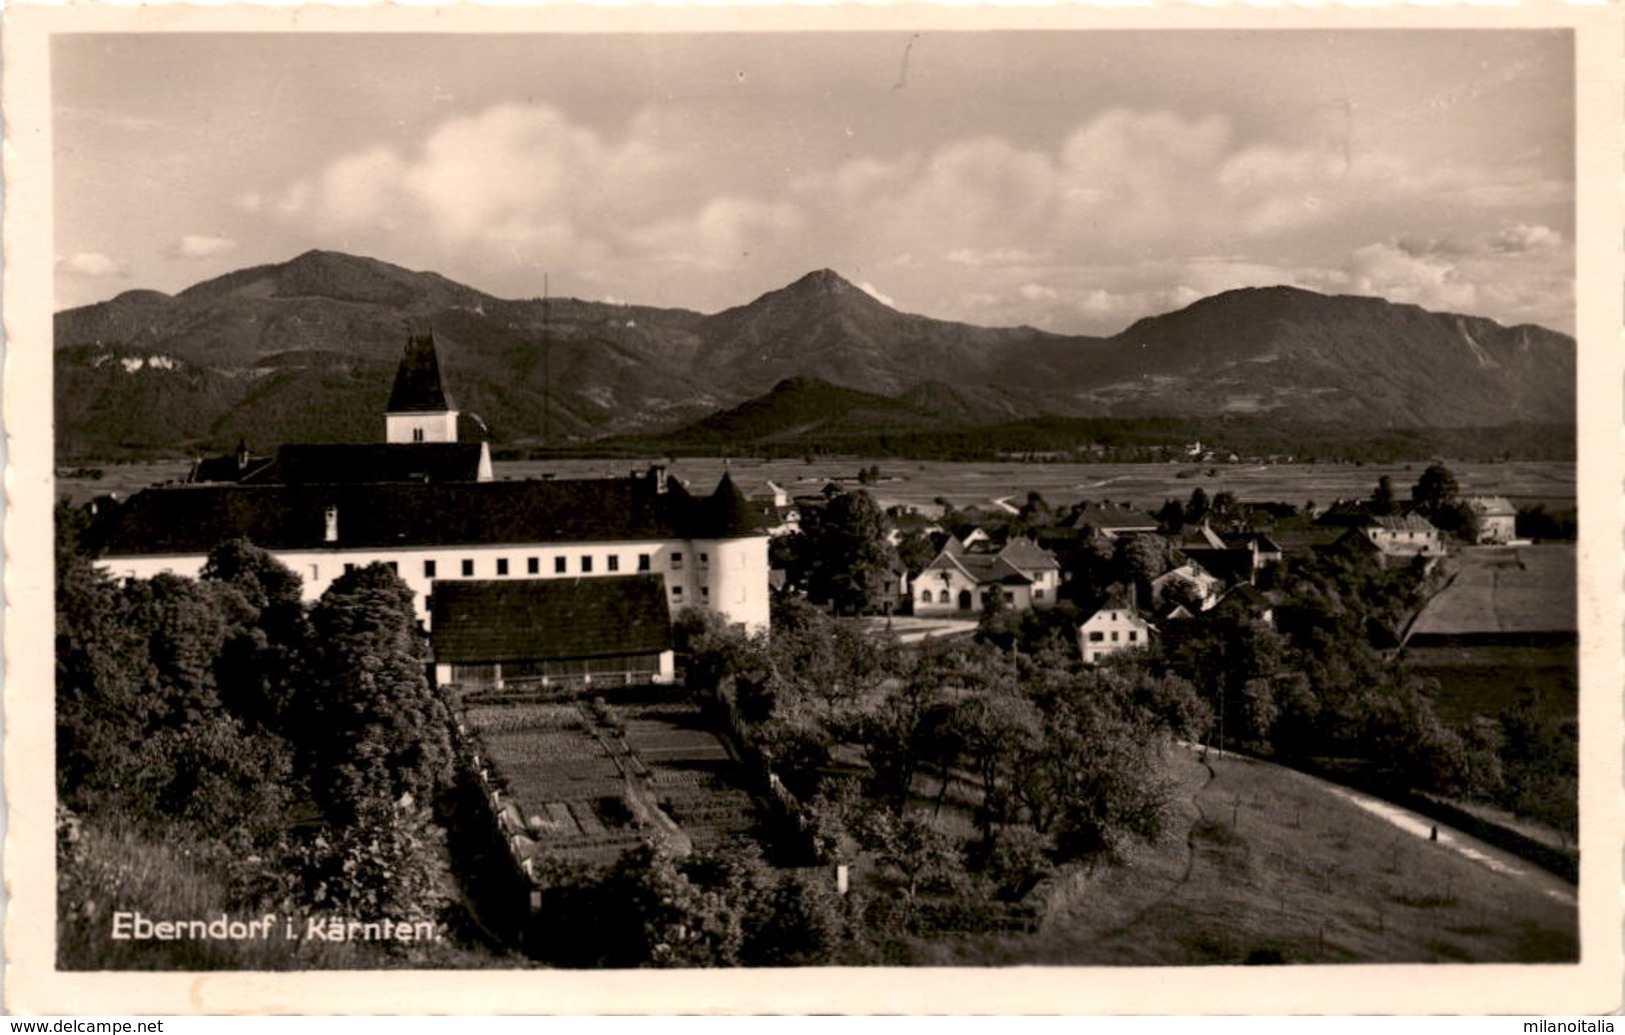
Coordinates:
(1263,863)
(693,778)
(919,483)
(585,786)
(1509,591)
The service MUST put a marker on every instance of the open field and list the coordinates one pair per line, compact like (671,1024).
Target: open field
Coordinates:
(919,483)
(1264,863)
(1486,680)
(1504,591)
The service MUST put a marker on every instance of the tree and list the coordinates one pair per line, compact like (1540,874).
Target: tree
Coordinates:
(850,562)
(1435,490)
(1196,510)
(261,664)
(376,732)
(1383,500)
(1171,517)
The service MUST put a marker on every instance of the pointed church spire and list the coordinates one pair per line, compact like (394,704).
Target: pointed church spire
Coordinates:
(418,388)
(420,409)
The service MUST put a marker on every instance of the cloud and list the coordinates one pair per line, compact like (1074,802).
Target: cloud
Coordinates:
(879,296)
(1523,238)
(1399,276)
(89,264)
(198,246)
(1129,213)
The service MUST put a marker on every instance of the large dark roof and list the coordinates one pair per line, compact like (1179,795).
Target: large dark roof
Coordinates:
(379,462)
(729,514)
(550,619)
(1230,565)
(195,519)
(417,381)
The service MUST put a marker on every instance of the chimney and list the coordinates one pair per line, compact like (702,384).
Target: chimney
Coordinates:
(657,474)
(242,456)
(331,533)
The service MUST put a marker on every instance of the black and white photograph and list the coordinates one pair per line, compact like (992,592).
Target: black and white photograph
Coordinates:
(901,501)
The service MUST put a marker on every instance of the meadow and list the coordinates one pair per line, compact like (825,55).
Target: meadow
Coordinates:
(1265,865)
(920,483)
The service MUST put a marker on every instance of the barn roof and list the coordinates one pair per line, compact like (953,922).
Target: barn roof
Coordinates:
(489,621)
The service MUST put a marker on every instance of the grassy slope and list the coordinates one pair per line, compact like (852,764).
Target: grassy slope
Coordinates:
(1301,873)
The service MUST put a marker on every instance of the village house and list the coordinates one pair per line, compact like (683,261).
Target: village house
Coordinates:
(1110,520)
(1204,588)
(1402,536)
(963,576)
(1497,518)
(1114,627)
(706,551)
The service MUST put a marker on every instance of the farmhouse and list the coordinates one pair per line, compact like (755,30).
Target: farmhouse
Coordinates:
(1410,535)
(492,634)
(1497,519)
(962,577)
(707,551)
(1116,626)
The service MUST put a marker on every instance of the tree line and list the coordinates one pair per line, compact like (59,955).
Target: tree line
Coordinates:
(289,758)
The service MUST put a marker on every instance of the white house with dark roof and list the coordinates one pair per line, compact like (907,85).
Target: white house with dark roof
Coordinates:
(963,576)
(1115,626)
(1497,518)
(1407,535)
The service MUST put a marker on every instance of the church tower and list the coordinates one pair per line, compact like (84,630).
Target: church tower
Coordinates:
(420,408)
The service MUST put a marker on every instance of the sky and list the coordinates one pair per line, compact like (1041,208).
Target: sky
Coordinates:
(1068,180)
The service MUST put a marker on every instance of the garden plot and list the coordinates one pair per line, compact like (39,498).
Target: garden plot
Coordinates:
(563,787)
(572,778)
(691,773)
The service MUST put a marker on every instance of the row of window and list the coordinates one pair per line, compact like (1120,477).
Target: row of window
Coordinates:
(1100,637)
(533,565)
(1009,597)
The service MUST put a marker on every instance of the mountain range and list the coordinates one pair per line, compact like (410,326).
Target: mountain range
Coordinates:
(304,351)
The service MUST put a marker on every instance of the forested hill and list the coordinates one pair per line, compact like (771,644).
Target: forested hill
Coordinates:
(304,351)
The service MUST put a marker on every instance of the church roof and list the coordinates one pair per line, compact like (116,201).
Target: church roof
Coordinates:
(375,462)
(418,388)
(549,619)
(196,519)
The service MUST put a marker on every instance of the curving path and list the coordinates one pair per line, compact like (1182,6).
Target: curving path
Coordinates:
(1427,829)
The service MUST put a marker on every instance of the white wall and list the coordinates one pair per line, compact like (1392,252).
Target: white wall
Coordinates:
(436,427)
(733,573)
(1112,623)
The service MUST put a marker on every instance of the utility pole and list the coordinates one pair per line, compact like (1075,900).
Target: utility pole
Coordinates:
(547,363)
